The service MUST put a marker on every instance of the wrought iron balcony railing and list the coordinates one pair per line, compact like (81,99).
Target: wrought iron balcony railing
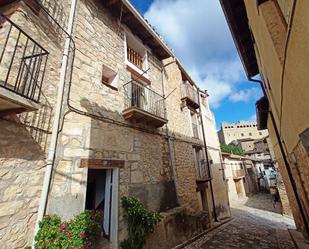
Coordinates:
(143,99)
(22,61)
(190,95)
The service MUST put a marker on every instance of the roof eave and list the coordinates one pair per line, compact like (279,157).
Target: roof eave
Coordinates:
(246,51)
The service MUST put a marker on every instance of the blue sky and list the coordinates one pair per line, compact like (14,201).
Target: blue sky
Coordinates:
(197,32)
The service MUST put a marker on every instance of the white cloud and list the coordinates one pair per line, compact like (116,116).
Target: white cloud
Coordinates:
(252,118)
(199,35)
(218,88)
(244,95)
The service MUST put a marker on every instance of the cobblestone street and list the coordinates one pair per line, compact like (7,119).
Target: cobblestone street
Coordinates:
(256,224)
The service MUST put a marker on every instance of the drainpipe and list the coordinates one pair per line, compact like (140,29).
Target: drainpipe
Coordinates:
(284,156)
(169,142)
(207,158)
(56,124)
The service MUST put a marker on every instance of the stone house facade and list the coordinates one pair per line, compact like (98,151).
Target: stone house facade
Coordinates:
(130,119)
(236,174)
(215,158)
(274,49)
(230,132)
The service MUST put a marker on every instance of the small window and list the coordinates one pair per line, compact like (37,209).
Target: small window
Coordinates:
(242,134)
(109,78)
(136,54)
(250,134)
(260,133)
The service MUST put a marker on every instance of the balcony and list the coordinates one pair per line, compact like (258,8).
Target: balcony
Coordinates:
(190,96)
(239,173)
(203,173)
(143,105)
(135,58)
(22,67)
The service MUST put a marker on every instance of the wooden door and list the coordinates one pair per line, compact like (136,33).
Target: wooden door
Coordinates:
(238,187)
(108,201)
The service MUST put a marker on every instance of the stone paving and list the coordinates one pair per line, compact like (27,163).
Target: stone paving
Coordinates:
(256,224)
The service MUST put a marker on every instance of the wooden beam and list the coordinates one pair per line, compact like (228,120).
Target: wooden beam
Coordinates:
(11,111)
(101,163)
(110,3)
(126,17)
(148,39)
(7,2)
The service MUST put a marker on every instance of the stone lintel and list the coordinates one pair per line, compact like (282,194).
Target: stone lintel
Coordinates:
(101,163)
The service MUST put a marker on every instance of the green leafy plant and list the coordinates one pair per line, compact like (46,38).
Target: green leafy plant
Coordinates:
(78,233)
(231,148)
(141,222)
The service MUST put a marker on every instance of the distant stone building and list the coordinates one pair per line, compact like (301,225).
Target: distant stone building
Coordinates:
(241,176)
(264,172)
(243,129)
(118,133)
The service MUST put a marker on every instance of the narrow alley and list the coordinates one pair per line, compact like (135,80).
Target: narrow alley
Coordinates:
(256,224)
(158,124)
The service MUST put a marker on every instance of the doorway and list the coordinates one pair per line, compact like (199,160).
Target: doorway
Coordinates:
(99,195)
(204,199)
(238,188)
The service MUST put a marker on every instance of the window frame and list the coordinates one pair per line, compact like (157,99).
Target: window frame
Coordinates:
(146,56)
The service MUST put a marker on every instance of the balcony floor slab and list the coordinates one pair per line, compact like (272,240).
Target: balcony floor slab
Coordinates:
(137,115)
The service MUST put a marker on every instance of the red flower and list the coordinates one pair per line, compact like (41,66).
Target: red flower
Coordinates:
(70,235)
(83,235)
(63,228)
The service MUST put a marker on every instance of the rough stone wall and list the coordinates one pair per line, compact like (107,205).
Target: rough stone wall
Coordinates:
(147,171)
(175,114)
(219,185)
(178,226)
(286,179)
(229,166)
(233,131)
(142,152)
(21,172)
(299,162)
(286,209)
(186,175)
(179,124)
(219,180)
(99,43)
(25,137)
